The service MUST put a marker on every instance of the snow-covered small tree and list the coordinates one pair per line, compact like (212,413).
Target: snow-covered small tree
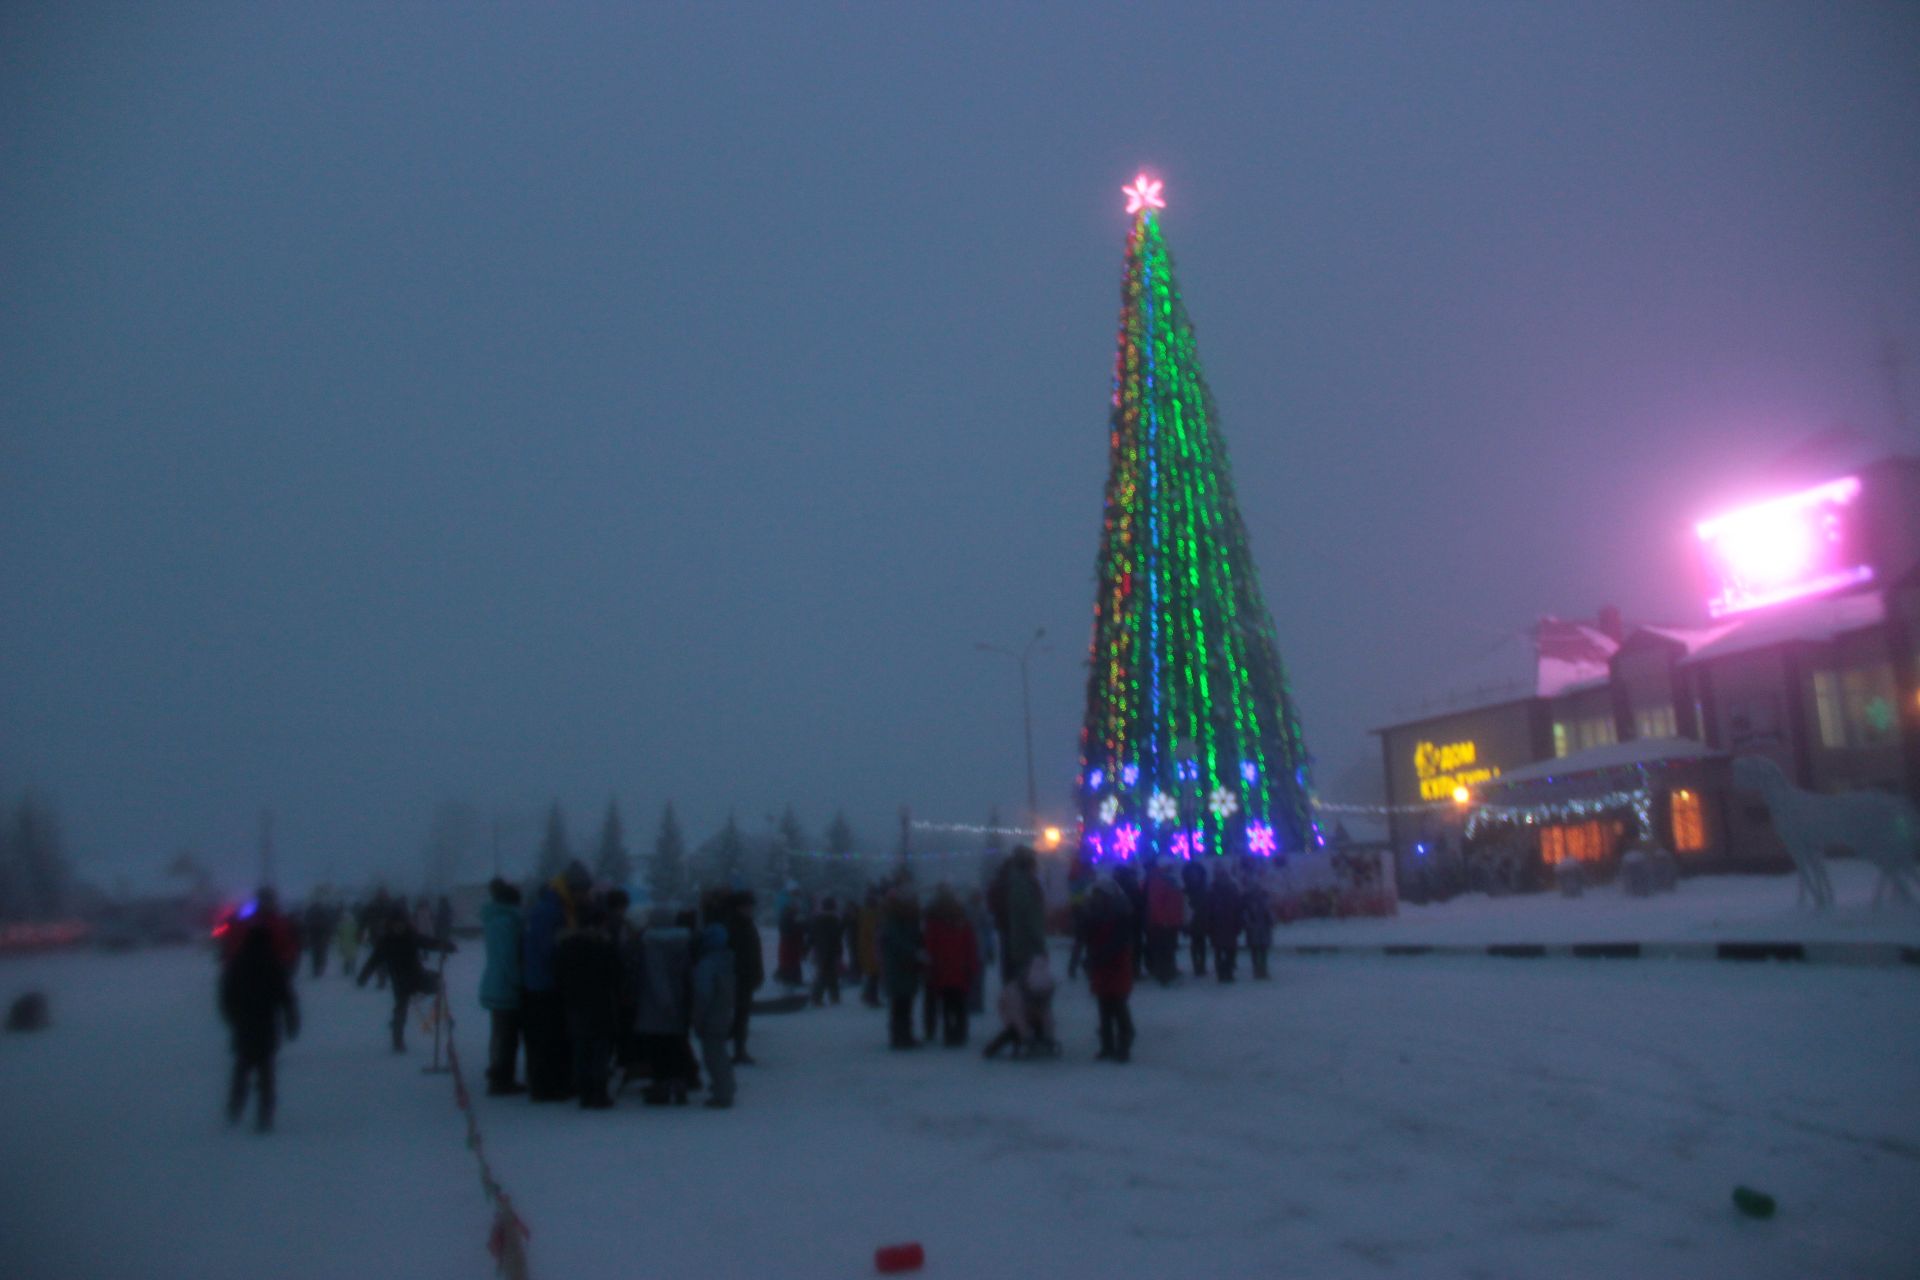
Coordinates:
(611,865)
(787,860)
(453,837)
(846,875)
(38,880)
(723,859)
(555,851)
(667,868)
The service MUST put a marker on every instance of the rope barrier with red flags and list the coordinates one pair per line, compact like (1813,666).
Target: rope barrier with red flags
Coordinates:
(507,1237)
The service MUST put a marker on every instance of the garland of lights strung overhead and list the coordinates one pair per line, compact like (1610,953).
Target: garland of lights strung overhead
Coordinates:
(1191,744)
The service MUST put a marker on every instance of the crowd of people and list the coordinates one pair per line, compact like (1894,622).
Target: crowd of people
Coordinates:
(592,996)
(596,998)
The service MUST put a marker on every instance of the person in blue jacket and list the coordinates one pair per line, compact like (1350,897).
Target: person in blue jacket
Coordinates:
(501,923)
(543,1012)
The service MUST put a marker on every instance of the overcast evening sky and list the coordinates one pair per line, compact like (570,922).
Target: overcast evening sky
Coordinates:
(408,402)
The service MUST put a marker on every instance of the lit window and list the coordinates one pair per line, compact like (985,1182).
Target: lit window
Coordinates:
(1577,842)
(1559,739)
(1596,731)
(1689,821)
(1656,722)
(1826,703)
(1867,696)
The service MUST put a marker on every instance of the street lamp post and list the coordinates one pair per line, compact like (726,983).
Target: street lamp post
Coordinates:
(1026,710)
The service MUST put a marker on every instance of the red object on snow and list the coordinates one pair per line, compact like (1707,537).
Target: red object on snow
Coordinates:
(891,1258)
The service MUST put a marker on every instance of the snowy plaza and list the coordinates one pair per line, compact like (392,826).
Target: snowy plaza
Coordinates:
(1355,1116)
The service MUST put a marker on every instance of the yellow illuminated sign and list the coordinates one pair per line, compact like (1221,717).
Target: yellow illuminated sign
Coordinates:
(1445,768)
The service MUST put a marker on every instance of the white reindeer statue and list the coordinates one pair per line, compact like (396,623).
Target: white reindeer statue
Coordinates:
(1876,827)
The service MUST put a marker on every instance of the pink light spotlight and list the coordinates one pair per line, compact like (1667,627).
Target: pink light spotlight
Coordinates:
(1786,548)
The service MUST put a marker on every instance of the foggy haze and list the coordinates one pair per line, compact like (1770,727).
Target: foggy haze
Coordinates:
(422,402)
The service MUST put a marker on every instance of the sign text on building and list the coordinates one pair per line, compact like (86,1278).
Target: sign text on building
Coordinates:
(1444,767)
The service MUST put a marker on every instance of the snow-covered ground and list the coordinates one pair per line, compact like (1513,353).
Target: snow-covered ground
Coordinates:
(1701,909)
(1353,1117)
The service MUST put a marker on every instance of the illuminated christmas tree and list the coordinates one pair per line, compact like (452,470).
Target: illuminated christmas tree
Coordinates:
(1191,745)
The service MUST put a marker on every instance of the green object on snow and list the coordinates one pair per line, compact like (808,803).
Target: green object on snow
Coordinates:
(1755,1204)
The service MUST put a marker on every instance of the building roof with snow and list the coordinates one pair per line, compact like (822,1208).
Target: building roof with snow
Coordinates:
(1614,757)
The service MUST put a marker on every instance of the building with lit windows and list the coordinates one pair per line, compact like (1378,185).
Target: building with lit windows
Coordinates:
(1599,736)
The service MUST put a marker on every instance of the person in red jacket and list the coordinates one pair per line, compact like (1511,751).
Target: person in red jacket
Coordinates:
(953,958)
(1166,913)
(1110,966)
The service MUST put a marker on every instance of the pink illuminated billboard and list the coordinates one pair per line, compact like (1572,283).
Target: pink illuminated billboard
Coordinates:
(1786,548)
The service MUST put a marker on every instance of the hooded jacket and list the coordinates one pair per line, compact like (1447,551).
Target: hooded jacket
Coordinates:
(667,961)
(500,983)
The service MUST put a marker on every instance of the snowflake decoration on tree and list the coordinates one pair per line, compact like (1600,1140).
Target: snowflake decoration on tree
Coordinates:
(1182,847)
(1260,839)
(1095,778)
(1109,809)
(1129,775)
(1161,807)
(1249,771)
(1223,803)
(1126,840)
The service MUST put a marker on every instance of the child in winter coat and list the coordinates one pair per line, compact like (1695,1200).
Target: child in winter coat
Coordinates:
(714,992)
(255,996)
(1026,1007)
(953,961)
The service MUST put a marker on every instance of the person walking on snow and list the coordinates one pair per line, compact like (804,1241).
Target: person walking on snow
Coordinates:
(256,996)
(397,953)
